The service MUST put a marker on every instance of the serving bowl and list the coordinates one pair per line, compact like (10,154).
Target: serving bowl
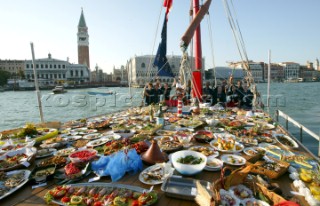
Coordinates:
(82,156)
(188,169)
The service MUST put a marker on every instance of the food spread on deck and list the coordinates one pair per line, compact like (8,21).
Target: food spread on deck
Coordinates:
(232,142)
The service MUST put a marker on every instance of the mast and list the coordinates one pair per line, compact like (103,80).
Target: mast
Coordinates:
(196,73)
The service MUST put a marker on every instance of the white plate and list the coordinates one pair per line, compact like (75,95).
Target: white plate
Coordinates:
(227,151)
(238,160)
(53,145)
(50,151)
(224,135)
(171,127)
(26,179)
(247,149)
(91,136)
(72,138)
(197,149)
(211,159)
(65,152)
(294,143)
(268,146)
(160,170)
(98,142)
(268,126)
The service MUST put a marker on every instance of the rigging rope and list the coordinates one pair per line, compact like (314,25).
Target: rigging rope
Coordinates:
(212,48)
(154,42)
(242,51)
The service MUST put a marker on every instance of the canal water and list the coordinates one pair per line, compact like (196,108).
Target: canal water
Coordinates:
(299,100)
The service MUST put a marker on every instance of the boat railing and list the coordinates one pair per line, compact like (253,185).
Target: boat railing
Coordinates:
(302,128)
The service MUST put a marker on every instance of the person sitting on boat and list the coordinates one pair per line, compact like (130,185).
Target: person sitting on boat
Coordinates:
(240,88)
(219,96)
(207,93)
(233,99)
(149,94)
(166,92)
(187,98)
(246,102)
(156,92)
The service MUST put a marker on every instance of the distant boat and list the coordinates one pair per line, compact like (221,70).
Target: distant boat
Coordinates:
(101,93)
(59,90)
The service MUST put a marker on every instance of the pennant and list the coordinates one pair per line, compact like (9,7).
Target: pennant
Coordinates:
(161,60)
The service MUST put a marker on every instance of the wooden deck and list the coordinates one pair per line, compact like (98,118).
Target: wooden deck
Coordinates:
(26,196)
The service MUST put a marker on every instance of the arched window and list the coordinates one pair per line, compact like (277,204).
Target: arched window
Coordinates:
(71,73)
(81,73)
(143,65)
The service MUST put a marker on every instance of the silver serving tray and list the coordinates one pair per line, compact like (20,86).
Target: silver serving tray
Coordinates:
(108,185)
(26,179)
(183,188)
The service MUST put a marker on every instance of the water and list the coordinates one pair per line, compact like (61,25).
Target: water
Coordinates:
(298,100)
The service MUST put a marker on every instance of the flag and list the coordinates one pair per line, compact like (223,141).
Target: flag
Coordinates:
(168,5)
(161,60)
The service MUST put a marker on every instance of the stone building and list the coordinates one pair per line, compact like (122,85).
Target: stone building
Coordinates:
(141,70)
(15,67)
(52,71)
(83,42)
(291,70)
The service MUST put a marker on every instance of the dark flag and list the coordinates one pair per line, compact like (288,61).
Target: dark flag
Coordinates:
(161,60)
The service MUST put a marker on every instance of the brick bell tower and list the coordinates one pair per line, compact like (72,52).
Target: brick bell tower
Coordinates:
(83,42)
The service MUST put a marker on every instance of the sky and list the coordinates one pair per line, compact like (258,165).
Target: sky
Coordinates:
(121,29)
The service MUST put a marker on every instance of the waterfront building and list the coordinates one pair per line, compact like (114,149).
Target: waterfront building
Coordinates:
(223,73)
(52,71)
(291,70)
(120,74)
(83,42)
(306,73)
(276,72)
(14,67)
(257,69)
(141,70)
(316,64)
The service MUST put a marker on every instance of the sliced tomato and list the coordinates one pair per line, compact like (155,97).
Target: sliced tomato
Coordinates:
(97,203)
(135,203)
(65,199)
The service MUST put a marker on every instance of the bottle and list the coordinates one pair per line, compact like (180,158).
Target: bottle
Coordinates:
(160,118)
(151,113)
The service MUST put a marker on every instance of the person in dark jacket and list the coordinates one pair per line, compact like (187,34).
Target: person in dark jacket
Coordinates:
(149,94)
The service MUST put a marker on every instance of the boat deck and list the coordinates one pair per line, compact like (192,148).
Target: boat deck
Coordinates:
(26,196)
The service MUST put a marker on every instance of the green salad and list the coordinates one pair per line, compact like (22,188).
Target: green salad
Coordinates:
(190,160)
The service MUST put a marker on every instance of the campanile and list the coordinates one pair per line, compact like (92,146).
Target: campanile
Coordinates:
(83,42)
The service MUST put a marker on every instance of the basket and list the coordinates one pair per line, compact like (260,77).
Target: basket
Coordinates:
(259,169)
(240,177)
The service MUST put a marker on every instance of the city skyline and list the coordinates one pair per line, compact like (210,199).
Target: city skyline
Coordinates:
(129,28)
